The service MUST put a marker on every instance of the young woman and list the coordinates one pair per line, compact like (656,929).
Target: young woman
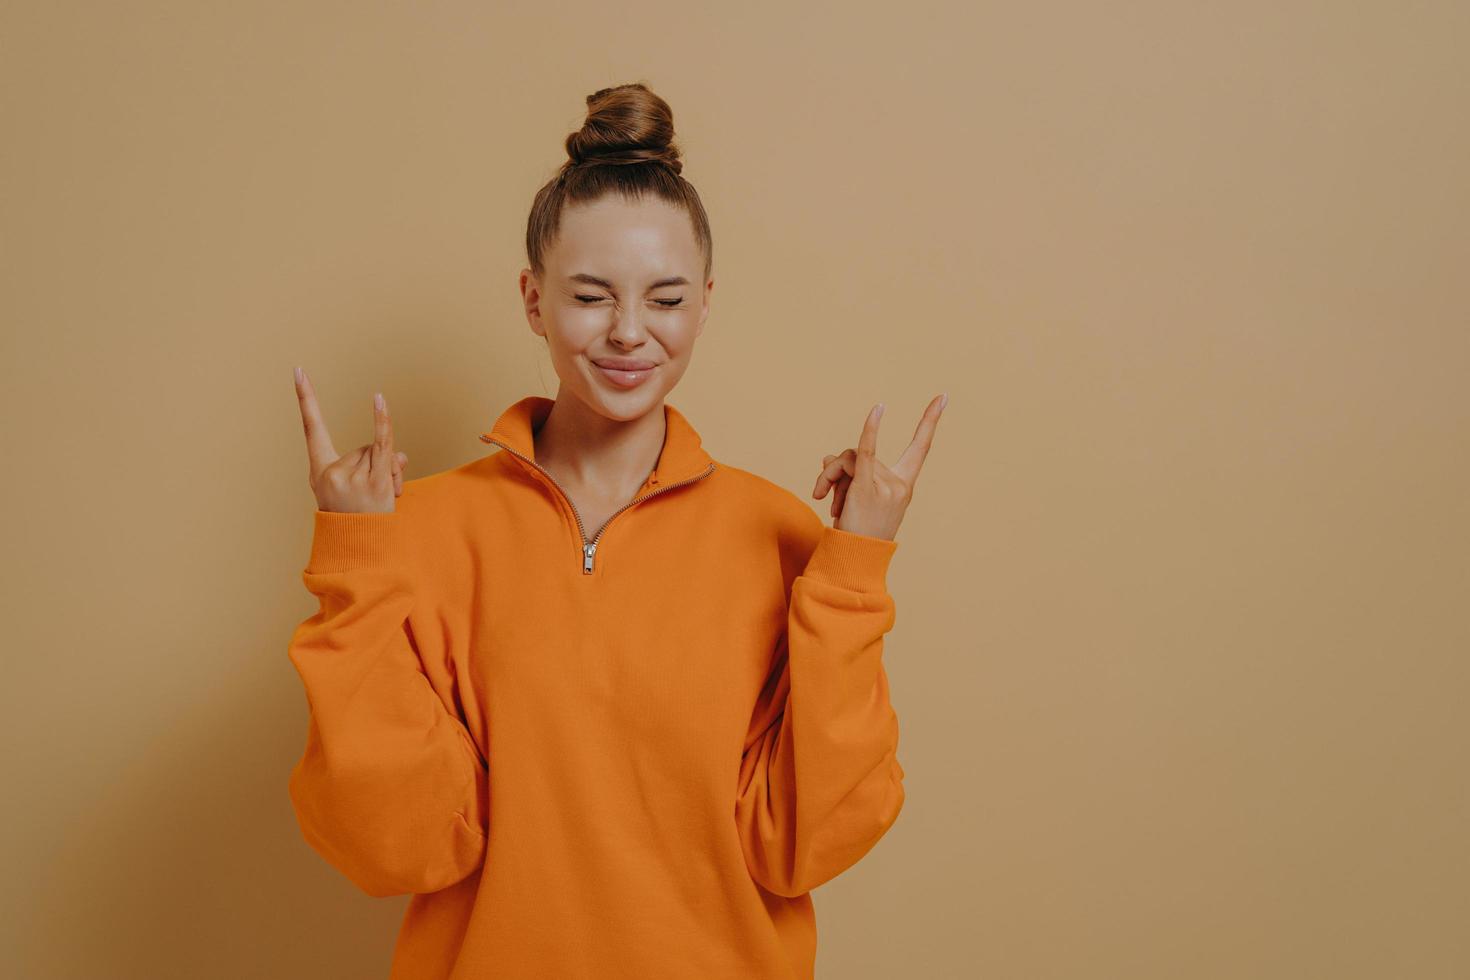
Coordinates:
(604,707)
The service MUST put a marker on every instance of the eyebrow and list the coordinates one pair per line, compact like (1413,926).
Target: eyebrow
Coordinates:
(595,281)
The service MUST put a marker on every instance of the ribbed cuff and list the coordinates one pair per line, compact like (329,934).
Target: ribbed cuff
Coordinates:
(853,561)
(344,541)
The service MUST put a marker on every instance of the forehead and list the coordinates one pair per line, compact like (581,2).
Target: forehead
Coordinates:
(625,240)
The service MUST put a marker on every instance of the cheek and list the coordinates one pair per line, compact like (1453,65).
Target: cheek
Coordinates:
(582,316)
(678,334)
(673,371)
(574,330)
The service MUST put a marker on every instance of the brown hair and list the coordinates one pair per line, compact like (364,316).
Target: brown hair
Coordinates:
(625,147)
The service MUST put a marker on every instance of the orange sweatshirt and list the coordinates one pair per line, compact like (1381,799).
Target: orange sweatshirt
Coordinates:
(618,752)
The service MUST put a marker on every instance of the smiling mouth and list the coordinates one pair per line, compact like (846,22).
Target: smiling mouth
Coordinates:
(624,377)
(629,365)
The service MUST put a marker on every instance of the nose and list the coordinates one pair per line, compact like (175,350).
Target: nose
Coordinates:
(628,330)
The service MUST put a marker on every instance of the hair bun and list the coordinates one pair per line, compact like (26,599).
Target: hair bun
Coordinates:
(626,124)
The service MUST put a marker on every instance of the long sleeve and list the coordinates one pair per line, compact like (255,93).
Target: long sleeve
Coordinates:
(391,789)
(820,780)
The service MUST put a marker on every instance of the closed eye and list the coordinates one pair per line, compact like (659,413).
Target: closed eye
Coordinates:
(661,302)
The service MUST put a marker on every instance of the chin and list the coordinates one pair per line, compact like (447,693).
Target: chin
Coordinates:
(624,405)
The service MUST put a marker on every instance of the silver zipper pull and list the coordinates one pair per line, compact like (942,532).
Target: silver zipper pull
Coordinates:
(588,550)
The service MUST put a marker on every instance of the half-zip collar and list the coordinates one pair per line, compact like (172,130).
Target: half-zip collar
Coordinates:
(682,459)
(682,455)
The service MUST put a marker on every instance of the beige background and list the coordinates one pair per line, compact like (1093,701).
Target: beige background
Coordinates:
(1181,653)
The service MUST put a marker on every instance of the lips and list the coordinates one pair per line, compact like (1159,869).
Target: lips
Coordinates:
(624,372)
(623,363)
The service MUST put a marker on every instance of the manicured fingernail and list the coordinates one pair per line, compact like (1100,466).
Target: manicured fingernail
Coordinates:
(378,401)
(878,412)
(944,399)
(297,371)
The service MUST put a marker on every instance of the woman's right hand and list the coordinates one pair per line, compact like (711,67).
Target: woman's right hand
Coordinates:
(366,480)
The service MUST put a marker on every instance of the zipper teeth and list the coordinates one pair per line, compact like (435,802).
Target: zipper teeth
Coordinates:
(581,530)
(668,486)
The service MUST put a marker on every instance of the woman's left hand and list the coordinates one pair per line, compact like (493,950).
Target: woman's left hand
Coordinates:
(870,498)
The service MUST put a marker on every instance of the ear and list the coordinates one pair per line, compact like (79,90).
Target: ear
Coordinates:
(704,313)
(531,298)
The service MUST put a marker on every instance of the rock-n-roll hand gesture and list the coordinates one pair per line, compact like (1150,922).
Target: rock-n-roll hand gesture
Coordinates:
(364,481)
(870,498)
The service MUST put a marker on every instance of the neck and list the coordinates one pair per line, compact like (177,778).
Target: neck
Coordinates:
(585,448)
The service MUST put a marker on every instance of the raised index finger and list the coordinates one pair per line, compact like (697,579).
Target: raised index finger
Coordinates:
(381,456)
(908,464)
(319,451)
(867,447)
